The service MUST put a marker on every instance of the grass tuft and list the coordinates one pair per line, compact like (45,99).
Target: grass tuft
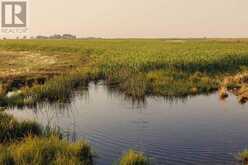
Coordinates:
(134,158)
(243,157)
(46,150)
(12,130)
(27,143)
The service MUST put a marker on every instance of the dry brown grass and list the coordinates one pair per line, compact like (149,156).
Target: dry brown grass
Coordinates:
(238,85)
(243,94)
(16,64)
(223,93)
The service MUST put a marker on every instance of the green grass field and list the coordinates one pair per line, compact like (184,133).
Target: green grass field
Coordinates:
(138,68)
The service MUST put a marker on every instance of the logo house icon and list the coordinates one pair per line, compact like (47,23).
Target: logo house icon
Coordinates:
(14,14)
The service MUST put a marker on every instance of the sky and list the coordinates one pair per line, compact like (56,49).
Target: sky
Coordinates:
(139,18)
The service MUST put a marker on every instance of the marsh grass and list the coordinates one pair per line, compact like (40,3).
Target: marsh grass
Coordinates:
(134,158)
(58,88)
(46,150)
(135,67)
(243,94)
(28,143)
(12,130)
(243,157)
(223,94)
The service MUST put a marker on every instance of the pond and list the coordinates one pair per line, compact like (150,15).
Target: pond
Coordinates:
(197,130)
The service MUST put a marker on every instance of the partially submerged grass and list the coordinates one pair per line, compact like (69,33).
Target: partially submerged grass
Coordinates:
(243,157)
(46,150)
(243,94)
(12,130)
(238,84)
(58,88)
(27,143)
(134,158)
(223,93)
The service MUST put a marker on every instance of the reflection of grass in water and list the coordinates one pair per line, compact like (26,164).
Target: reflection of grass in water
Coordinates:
(134,158)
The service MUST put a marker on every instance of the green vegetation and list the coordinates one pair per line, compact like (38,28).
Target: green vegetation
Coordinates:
(243,157)
(14,130)
(243,94)
(46,150)
(138,68)
(27,143)
(134,158)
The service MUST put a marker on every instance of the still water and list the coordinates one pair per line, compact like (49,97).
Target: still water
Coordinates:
(199,130)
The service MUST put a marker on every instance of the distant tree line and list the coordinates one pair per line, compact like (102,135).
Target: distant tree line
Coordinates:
(57,36)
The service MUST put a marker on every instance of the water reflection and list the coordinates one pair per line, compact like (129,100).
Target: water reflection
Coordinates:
(197,130)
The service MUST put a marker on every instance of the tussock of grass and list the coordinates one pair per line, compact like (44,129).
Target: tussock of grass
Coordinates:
(223,93)
(243,94)
(243,157)
(12,130)
(237,84)
(134,158)
(27,143)
(46,150)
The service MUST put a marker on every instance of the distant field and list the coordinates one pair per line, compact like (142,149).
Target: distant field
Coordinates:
(137,67)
